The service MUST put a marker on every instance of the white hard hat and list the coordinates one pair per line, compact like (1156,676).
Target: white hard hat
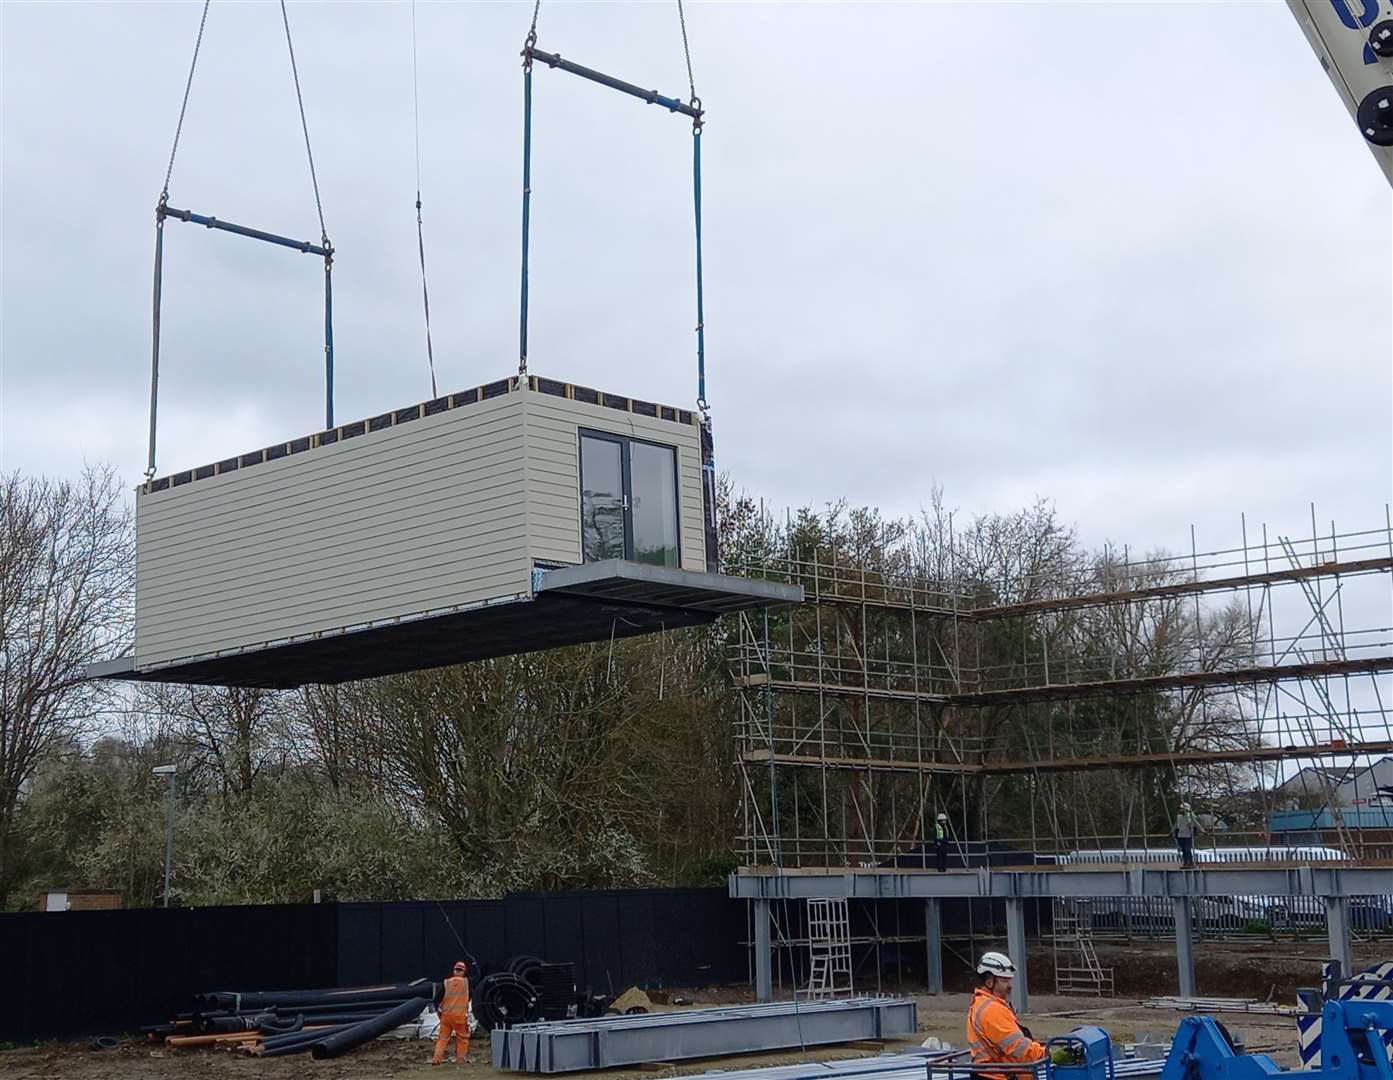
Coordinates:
(942,817)
(995,963)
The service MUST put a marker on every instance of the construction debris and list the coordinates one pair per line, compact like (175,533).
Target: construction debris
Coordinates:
(910,1066)
(1216,1004)
(632,1001)
(605,1042)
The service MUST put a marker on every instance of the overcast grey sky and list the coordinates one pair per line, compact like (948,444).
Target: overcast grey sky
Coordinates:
(1131,257)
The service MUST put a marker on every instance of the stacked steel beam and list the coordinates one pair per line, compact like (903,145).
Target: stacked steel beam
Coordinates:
(608,1041)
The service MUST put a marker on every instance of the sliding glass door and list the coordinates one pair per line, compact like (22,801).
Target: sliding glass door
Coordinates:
(628,499)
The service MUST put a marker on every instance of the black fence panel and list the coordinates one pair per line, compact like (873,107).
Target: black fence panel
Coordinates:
(89,972)
(80,972)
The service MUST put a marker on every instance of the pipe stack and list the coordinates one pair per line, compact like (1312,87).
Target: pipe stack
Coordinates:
(269,1023)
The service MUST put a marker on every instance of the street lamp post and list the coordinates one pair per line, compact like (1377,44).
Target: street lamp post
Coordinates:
(169,771)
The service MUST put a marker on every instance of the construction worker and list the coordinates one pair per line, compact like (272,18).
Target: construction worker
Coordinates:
(453,1006)
(994,1035)
(941,842)
(1186,827)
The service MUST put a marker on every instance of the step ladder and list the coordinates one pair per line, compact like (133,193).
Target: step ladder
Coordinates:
(829,950)
(1076,966)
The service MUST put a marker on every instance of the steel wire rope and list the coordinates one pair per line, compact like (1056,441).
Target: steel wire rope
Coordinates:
(527,46)
(305,128)
(697,124)
(323,233)
(184,105)
(420,233)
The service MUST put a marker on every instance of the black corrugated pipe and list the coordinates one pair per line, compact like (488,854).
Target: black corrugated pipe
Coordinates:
(311,1011)
(345,1016)
(503,1000)
(219,1025)
(297,1042)
(159,1031)
(271,1024)
(342,1042)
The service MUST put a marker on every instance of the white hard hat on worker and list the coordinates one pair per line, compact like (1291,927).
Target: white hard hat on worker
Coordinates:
(998,964)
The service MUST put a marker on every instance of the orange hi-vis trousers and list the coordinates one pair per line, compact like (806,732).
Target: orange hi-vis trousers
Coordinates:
(460,1030)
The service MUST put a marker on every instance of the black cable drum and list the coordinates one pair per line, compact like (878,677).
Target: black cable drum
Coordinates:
(527,968)
(505,999)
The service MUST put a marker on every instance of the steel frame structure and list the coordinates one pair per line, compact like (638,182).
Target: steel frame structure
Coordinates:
(891,696)
(885,699)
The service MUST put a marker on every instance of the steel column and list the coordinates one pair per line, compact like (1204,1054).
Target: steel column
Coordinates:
(1337,926)
(1185,944)
(1015,947)
(933,945)
(764,955)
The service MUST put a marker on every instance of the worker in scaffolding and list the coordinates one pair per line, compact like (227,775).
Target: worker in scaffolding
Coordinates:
(452,1002)
(994,1034)
(1187,826)
(941,842)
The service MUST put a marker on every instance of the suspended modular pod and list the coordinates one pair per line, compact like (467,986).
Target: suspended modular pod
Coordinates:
(520,515)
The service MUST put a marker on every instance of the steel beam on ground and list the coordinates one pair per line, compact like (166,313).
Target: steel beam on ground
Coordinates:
(1185,944)
(1094,879)
(933,945)
(607,1042)
(764,953)
(1015,948)
(1337,926)
(911,1066)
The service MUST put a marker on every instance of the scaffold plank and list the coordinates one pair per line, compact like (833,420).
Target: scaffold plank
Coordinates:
(839,591)
(1077,764)
(1097,688)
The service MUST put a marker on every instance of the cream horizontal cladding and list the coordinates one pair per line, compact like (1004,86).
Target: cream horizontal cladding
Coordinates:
(553,424)
(415,513)
(417,518)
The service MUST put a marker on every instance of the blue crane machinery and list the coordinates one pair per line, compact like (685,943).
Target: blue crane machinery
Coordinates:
(1353,39)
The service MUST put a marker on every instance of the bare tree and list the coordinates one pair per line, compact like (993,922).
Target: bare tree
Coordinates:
(66,571)
(229,734)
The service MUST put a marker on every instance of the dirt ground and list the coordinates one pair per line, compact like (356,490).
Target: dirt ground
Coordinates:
(939,1016)
(1142,970)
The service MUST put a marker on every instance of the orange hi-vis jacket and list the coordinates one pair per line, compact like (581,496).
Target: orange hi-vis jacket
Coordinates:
(994,1036)
(454,1003)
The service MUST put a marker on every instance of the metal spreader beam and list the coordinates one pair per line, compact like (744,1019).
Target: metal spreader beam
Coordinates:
(243,230)
(324,250)
(554,60)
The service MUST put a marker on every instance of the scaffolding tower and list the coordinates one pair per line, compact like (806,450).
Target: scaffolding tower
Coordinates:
(1066,712)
